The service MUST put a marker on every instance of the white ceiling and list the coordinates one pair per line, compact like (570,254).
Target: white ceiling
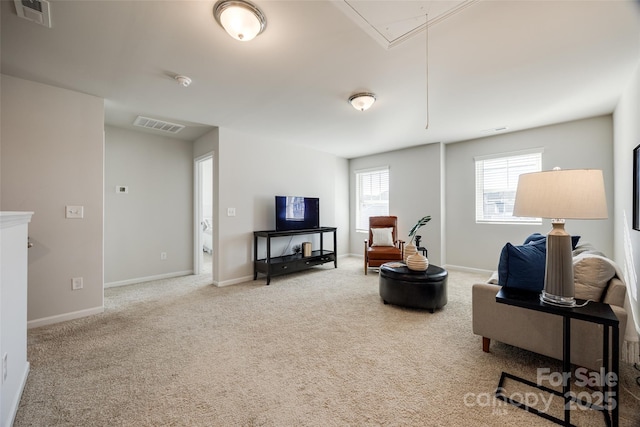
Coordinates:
(491,64)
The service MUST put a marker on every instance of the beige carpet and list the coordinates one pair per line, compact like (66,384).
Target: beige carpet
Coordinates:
(317,348)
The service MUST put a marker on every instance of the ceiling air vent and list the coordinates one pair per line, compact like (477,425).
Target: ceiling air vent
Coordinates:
(34,10)
(156,124)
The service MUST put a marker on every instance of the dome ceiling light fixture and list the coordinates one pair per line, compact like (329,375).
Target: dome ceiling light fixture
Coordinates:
(183,81)
(241,19)
(362,101)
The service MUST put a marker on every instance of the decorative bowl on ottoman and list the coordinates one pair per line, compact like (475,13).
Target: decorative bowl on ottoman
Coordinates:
(417,262)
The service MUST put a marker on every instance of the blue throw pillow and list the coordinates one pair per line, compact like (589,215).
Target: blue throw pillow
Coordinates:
(537,237)
(523,266)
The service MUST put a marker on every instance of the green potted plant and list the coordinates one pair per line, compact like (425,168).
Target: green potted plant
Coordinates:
(412,234)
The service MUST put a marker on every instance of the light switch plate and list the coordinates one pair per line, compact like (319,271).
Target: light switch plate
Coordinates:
(74,212)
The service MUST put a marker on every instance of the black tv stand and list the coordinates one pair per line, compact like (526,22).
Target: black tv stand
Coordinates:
(275,266)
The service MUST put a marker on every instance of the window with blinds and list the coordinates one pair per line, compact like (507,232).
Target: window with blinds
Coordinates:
(372,195)
(497,182)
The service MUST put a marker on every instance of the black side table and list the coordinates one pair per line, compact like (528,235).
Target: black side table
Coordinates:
(594,312)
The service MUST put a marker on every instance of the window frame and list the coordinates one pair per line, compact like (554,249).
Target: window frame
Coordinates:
(480,193)
(358,184)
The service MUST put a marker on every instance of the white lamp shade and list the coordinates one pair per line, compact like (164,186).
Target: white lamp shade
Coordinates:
(242,20)
(362,101)
(561,194)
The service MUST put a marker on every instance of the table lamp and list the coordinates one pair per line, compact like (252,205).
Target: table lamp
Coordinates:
(559,195)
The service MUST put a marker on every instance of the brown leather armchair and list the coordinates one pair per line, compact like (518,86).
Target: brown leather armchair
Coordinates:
(382,245)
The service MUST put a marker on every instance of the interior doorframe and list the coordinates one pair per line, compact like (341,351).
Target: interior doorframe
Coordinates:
(197,210)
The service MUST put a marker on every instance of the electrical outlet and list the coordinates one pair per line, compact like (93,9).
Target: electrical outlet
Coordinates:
(76,283)
(163,255)
(231,211)
(4,367)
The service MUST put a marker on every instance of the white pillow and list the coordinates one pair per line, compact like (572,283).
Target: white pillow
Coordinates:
(382,236)
(591,276)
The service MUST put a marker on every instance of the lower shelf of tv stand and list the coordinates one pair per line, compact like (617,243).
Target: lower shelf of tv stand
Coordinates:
(291,263)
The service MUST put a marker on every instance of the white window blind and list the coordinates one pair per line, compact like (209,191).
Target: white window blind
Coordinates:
(497,182)
(372,192)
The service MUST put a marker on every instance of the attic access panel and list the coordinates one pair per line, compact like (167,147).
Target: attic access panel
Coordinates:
(392,22)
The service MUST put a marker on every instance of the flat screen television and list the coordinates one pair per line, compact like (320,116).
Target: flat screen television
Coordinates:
(297,213)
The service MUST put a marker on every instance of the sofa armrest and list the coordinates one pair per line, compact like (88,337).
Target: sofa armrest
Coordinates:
(482,308)
(616,293)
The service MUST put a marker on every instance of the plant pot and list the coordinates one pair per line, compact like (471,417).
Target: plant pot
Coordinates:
(417,262)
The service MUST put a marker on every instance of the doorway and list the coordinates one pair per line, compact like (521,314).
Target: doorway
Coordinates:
(203,233)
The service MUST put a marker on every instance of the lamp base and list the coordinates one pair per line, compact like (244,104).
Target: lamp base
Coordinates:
(557,300)
(559,288)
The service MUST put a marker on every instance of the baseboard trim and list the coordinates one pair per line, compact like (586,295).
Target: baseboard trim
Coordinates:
(15,403)
(467,269)
(64,317)
(233,281)
(147,278)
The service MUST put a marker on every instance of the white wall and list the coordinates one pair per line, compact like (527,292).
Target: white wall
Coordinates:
(156,215)
(579,144)
(52,156)
(414,191)
(627,137)
(205,144)
(341,206)
(249,174)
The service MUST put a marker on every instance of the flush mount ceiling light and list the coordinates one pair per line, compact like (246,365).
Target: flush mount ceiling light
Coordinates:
(362,101)
(183,80)
(241,19)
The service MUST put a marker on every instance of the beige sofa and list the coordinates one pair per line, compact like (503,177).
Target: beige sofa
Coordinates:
(596,278)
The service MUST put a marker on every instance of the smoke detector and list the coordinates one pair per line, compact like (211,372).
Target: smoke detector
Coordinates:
(34,10)
(183,80)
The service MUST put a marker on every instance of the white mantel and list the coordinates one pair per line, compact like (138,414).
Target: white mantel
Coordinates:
(13,311)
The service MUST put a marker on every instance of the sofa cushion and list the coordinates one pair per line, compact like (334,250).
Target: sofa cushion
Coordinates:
(537,238)
(523,266)
(384,253)
(382,236)
(591,275)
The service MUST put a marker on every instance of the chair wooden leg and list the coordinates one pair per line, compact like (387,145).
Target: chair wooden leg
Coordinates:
(366,261)
(485,344)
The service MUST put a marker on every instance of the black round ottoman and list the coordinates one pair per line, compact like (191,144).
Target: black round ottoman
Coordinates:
(415,289)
